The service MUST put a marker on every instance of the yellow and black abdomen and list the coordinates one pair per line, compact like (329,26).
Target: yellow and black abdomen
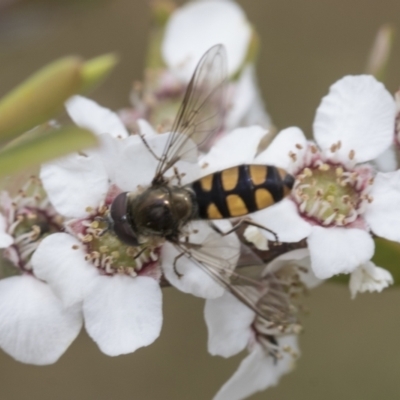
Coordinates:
(240,190)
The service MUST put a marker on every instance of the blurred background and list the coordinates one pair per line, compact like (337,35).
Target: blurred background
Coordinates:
(350,349)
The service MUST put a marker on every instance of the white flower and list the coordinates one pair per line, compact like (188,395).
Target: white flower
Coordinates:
(186,40)
(35,327)
(397,122)
(118,285)
(258,372)
(337,200)
(197,26)
(246,106)
(369,278)
(388,160)
(272,344)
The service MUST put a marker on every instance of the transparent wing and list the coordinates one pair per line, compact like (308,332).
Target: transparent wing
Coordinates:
(249,289)
(201,113)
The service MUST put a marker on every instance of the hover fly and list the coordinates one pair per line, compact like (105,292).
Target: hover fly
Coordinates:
(163,209)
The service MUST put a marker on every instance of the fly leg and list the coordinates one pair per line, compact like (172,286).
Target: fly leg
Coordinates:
(109,225)
(148,147)
(140,253)
(242,222)
(177,176)
(178,274)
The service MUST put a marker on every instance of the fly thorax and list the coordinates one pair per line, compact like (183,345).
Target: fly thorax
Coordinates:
(161,210)
(182,205)
(151,212)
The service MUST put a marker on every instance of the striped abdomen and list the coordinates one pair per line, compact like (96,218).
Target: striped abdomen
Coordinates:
(240,190)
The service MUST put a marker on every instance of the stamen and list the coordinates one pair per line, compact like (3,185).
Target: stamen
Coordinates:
(328,220)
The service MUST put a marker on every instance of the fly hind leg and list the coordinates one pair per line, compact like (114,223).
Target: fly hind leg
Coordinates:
(244,222)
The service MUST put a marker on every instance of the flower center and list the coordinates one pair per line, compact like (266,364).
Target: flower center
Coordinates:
(280,306)
(331,195)
(29,218)
(111,256)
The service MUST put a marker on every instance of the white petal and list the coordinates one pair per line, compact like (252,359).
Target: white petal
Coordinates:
(236,148)
(64,268)
(279,218)
(291,257)
(246,107)
(254,235)
(35,328)
(359,112)
(387,161)
(383,214)
(297,258)
(88,114)
(145,128)
(258,371)
(5,239)
(286,151)
(186,39)
(74,183)
(223,252)
(229,325)
(123,314)
(136,166)
(191,279)
(369,278)
(109,150)
(338,250)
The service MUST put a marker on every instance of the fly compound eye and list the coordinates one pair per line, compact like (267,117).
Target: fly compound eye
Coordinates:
(122,223)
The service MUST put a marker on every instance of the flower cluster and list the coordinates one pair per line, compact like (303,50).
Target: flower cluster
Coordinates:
(159,97)
(338,199)
(64,267)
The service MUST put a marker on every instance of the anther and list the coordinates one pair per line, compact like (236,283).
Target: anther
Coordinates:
(340,219)
(103,249)
(339,171)
(324,167)
(130,251)
(293,156)
(87,238)
(94,224)
(307,172)
(345,199)
(330,199)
